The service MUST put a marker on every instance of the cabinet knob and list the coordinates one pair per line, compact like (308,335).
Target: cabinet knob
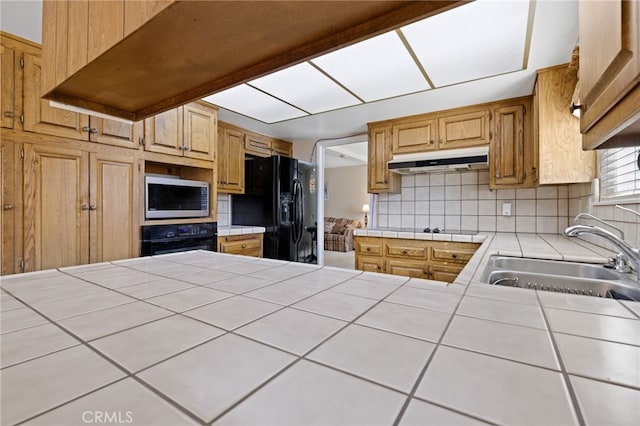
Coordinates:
(85,207)
(244,246)
(404,251)
(431,142)
(8,114)
(86,129)
(7,207)
(455,256)
(93,207)
(368,248)
(93,130)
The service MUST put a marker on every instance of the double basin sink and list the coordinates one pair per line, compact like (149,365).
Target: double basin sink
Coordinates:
(563,277)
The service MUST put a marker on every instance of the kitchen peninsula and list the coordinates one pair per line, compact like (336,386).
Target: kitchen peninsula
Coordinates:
(302,344)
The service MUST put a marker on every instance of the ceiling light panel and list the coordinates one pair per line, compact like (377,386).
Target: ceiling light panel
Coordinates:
(253,103)
(307,88)
(476,40)
(377,68)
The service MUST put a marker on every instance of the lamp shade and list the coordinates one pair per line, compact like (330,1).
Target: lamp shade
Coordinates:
(365,208)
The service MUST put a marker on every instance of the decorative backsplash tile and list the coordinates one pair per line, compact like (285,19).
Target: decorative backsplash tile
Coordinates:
(463,200)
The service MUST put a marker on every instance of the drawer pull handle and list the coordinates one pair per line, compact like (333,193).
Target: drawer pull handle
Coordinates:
(368,248)
(7,207)
(8,114)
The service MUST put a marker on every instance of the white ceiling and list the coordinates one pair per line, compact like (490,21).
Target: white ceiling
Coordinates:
(349,155)
(472,54)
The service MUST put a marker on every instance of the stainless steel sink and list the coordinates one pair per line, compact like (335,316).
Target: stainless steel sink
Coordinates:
(562,277)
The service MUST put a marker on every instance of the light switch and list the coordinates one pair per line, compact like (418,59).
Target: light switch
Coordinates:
(506,209)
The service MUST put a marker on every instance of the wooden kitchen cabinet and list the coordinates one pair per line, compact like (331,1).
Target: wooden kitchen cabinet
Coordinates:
(230,160)
(436,260)
(379,178)
(264,146)
(40,117)
(79,207)
(245,244)
(414,136)
(558,157)
(609,72)
(464,130)
(9,70)
(11,207)
(510,147)
(188,131)
(75,32)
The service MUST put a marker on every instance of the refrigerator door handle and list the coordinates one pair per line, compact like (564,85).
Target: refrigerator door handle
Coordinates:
(297,211)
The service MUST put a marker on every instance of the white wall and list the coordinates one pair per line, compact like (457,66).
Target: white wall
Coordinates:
(22,18)
(347,191)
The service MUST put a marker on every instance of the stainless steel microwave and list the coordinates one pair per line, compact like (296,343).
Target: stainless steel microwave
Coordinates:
(167,198)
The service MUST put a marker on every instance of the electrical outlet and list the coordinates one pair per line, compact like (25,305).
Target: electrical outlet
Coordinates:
(506,209)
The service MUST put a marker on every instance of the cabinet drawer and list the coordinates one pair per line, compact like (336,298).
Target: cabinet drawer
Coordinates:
(369,264)
(407,268)
(445,273)
(451,255)
(406,250)
(369,247)
(240,244)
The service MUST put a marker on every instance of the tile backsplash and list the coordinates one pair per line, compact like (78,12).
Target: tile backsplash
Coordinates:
(224,209)
(463,200)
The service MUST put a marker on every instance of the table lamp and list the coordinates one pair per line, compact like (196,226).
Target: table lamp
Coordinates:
(366,210)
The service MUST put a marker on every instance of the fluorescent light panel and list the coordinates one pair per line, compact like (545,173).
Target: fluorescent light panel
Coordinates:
(253,103)
(476,40)
(307,88)
(375,69)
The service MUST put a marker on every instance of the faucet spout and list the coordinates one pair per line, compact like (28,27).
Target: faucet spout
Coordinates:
(632,254)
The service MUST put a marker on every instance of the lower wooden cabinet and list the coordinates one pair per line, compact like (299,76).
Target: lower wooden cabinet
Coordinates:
(436,260)
(79,207)
(246,244)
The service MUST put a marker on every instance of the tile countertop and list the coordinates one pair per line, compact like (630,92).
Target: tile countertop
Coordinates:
(203,337)
(224,231)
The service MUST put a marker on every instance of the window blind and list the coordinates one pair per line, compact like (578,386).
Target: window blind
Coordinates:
(619,174)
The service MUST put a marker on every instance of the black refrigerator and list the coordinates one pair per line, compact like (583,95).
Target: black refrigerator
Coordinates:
(280,195)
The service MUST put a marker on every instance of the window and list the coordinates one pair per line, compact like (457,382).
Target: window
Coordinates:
(619,173)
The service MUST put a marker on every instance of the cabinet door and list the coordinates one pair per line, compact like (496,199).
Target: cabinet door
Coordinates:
(113,207)
(279,147)
(163,132)
(10,207)
(113,132)
(258,145)
(39,116)
(506,166)
(407,268)
(56,207)
(8,87)
(230,161)
(609,55)
(444,273)
(463,130)
(370,264)
(380,179)
(106,26)
(415,136)
(199,132)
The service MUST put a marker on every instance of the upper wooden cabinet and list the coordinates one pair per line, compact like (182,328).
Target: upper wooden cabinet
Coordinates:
(609,72)
(188,131)
(264,146)
(459,128)
(230,160)
(8,63)
(95,59)
(379,178)
(506,162)
(557,142)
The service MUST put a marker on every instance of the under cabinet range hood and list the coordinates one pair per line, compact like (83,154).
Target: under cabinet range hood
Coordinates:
(444,160)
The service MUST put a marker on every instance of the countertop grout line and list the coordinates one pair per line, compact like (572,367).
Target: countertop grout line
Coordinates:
(127,374)
(300,357)
(563,369)
(429,360)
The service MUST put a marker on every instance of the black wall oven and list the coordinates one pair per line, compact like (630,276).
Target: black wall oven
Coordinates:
(172,238)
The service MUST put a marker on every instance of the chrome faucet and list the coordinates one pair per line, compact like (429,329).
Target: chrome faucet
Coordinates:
(597,219)
(632,254)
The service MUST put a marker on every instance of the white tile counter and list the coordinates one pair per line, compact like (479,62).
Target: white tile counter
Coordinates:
(203,337)
(224,231)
